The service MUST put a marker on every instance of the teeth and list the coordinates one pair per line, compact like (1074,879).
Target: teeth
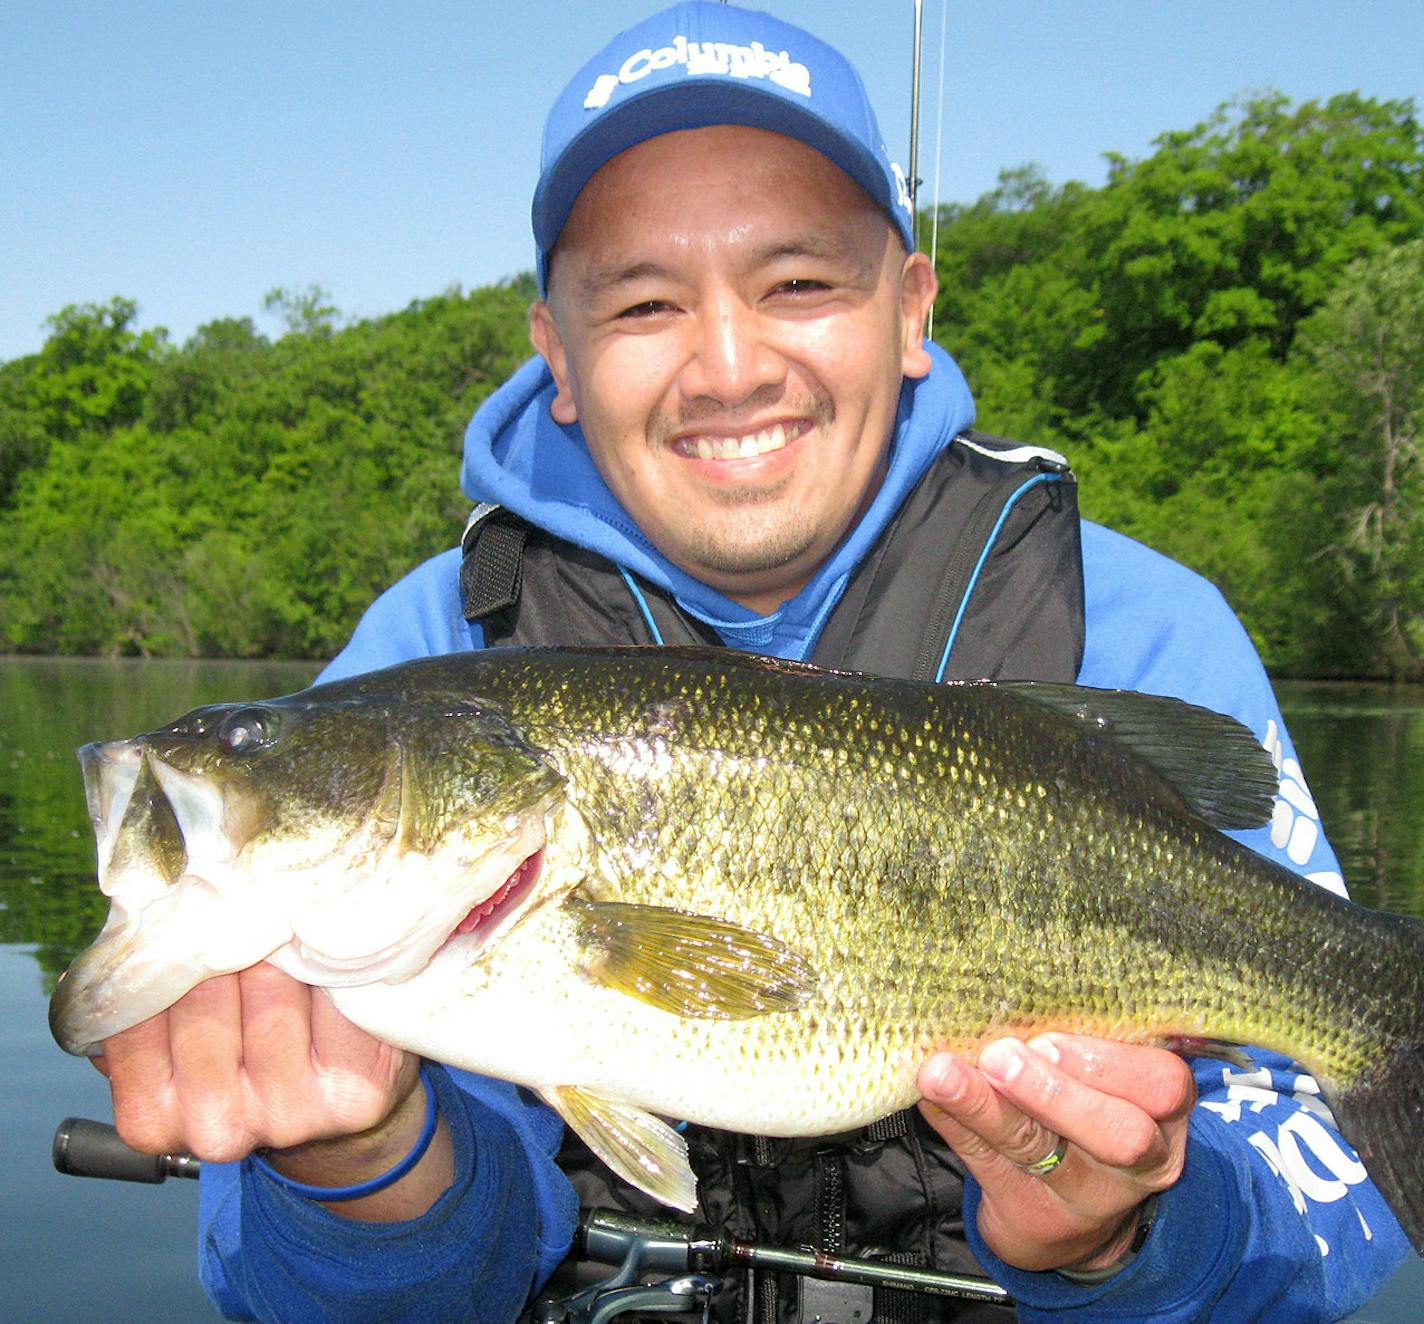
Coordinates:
(734,448)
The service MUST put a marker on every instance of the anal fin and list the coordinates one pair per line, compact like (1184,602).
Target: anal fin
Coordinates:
(1188,1045)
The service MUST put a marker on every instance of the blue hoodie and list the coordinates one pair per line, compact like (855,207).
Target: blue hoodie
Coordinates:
(1273,1219)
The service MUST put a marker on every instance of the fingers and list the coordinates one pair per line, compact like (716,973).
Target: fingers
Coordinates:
(247,1060)
(985,1128)
(363,1076)
(282,1085)
(1112,1120)
(1107,1099)
(176,1077)
(1119,1109)
(1155,1080)
(140,1071)
(211,1098)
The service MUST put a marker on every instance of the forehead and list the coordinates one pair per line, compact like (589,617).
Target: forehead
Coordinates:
(718,188)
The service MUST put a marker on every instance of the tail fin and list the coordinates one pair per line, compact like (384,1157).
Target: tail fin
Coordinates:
(1382,1113)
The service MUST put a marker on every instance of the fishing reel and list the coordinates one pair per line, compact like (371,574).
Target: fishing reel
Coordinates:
(836,1289)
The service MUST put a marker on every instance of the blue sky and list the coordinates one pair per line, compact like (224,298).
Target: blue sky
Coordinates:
(193,154)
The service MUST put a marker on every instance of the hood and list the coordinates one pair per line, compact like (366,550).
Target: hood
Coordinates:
(517,456)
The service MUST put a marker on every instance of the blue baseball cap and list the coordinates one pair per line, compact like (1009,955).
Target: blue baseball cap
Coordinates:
(698,64)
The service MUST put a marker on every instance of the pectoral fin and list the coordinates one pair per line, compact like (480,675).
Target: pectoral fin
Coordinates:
(690,965)
(639,1147)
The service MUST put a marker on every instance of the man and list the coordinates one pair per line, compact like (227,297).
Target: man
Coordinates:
(735,432)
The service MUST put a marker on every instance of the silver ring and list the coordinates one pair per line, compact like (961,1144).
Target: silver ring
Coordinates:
(1045,1165)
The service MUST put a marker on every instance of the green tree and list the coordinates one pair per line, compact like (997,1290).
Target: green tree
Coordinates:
(305,312)
(1367,343)
(95,368)
(91,377)
(1146,328)
(263,492)
(1236,229)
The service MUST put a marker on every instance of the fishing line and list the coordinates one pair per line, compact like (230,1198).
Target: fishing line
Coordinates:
(915,126)
(939,155)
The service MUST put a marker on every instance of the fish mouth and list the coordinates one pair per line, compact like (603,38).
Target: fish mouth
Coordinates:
(485,919)
(183,909)
(142,962)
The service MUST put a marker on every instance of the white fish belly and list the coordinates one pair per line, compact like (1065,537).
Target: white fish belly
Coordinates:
(522,1012)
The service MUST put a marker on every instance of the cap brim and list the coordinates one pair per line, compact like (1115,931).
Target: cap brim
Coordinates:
(670,108)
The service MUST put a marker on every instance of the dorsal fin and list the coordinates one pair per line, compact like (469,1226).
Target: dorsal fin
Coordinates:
(1215,764)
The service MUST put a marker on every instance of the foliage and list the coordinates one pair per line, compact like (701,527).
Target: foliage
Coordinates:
(1367,343)
(1149,328)
(236,496)
(1225,338)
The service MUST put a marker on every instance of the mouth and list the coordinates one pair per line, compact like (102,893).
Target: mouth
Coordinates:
(486,917)
(746,445)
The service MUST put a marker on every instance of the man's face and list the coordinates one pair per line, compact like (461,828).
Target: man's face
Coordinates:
(729,320)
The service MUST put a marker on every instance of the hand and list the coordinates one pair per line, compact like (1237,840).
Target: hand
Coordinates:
(257,1059)
(1122,1110)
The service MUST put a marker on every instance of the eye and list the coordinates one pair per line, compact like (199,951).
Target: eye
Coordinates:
(651,308)
(799,287)
(247,730)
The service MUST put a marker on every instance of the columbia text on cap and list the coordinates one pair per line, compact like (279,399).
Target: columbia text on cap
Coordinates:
(699,64)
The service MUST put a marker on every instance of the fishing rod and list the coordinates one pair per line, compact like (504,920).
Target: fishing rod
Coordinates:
(687,1261)
(915,123)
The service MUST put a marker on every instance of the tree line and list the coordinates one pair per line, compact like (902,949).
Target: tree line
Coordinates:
(1226,338)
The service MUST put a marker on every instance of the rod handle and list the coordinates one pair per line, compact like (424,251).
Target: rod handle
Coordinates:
(83,1148)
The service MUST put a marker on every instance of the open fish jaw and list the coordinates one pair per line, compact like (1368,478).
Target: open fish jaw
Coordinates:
(110,771)
(206,877)
(144,960)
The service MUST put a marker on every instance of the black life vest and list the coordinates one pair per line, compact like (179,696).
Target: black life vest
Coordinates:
(979,575)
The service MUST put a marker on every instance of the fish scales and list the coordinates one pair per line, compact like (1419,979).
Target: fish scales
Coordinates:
(697,882)
(1013,930)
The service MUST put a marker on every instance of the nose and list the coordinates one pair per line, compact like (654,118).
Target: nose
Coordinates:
(732,354)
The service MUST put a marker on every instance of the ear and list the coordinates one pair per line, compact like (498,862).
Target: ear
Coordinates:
(918,288)
(549,345)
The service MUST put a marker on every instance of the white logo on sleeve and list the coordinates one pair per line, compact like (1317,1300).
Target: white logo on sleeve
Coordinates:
(703,57)
(1295,822)
(1330,1170)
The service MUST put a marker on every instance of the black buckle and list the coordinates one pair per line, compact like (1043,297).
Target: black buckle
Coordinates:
(823,1302)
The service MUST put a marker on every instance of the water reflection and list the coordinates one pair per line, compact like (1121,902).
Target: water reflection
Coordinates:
(1362,747)
(48,708)
(87,1252)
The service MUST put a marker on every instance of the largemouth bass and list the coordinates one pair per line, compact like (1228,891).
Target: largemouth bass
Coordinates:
(668,882)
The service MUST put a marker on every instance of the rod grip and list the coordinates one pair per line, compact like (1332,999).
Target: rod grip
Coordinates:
(83,1148)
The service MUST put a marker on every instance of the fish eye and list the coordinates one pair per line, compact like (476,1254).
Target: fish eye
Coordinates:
(247,730)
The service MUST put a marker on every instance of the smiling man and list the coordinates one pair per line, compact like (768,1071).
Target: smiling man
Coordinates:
(730,319)
(735,434)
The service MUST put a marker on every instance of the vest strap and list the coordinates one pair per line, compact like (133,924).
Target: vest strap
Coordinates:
(888,1128)
(492,570)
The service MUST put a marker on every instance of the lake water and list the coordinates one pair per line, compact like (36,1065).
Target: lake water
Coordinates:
(78,1250)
